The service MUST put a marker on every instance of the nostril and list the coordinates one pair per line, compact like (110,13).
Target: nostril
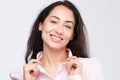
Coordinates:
(59,30)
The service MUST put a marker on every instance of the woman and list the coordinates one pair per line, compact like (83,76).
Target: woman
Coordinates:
(57,48)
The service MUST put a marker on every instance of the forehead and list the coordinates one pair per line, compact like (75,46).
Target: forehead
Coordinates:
(62,12)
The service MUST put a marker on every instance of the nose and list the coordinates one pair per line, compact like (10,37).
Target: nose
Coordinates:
(59,30)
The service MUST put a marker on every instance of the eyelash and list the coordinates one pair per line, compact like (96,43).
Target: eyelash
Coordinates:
(68,27)
(54,22)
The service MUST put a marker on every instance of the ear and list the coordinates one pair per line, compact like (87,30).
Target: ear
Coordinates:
(40,27)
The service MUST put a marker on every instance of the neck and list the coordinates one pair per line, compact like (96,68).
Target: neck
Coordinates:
(54,57)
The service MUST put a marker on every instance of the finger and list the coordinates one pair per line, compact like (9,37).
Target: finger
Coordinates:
(69,65)
(68,68)
(73,64)
(32,65)
(71,57)
(34,61)
(32,69)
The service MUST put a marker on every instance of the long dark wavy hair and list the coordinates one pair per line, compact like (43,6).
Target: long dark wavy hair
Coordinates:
(78,45)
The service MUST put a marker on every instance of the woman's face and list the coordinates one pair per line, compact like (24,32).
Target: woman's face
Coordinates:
(57,29)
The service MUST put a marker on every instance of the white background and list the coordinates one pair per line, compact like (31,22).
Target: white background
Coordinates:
(102,18)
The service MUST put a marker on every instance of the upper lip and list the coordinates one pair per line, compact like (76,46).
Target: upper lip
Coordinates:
(56,36)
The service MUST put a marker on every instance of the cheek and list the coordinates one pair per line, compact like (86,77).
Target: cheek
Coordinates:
(69,36)
(48,27)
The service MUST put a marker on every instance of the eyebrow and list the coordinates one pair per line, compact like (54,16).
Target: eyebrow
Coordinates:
(65,21)
(55,17)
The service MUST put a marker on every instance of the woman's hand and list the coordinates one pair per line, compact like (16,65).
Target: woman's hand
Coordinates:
(31,70)
(73,66)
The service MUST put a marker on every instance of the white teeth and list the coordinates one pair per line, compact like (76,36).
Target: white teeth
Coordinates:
(56,38)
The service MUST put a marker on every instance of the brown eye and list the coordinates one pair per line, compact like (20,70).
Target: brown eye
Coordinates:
(54,22)
(69,27)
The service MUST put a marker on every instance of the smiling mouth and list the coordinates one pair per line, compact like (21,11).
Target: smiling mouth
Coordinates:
(56,38)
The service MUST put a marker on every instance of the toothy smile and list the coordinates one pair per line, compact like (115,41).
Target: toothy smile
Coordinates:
(55,38)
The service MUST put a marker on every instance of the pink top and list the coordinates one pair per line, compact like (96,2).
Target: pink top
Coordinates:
(91,70)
